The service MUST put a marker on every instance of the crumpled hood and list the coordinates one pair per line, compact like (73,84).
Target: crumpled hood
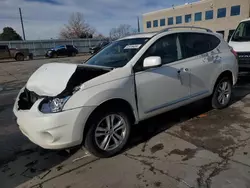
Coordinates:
(50,79)
(59,78)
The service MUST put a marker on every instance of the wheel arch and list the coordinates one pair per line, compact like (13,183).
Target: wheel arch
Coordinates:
(111,103)
(226,73)
(18,53)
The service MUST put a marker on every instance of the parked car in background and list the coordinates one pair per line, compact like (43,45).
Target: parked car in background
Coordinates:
(134,78)
(64,50)
(14,53)
(240,42)
(98,47)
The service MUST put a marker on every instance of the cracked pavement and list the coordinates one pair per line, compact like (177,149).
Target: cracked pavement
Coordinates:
(193,146)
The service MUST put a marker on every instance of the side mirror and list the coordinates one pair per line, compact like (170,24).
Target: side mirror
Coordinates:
(153,61)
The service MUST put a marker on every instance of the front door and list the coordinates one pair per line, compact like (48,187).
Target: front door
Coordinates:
(166,87)
(62,51)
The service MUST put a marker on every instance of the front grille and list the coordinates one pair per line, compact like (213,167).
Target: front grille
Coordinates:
(244,57)
(27,99)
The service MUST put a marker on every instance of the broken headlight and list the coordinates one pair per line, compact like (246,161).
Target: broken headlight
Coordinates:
(53,105)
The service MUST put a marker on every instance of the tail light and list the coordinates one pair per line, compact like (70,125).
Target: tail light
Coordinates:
(234,52)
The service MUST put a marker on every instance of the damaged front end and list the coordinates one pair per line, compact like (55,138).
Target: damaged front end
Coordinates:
(54,85)
(27,99)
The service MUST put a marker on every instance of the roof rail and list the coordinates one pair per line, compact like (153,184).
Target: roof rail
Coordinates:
(132,34)
(187,27)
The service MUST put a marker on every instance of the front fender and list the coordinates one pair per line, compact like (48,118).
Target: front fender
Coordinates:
(94,96)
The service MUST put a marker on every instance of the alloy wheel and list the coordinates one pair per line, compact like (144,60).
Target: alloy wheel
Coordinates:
(224,93)
(110,132)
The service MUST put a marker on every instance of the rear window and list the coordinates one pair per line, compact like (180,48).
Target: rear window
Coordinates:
(198,43)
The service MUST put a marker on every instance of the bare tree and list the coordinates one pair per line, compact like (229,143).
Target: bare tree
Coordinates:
(99,36)
(121,31)
(77,27)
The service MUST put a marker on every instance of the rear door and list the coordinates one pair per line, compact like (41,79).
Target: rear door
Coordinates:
(203,60)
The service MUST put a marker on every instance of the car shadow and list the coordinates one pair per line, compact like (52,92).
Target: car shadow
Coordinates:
(37,162)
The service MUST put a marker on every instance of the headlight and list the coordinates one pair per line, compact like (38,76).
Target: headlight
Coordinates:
(53,105)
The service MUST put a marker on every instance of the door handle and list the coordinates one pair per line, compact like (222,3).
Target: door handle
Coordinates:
(182,70)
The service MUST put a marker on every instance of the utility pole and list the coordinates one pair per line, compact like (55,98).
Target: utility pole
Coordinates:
(138,22)
(21,18)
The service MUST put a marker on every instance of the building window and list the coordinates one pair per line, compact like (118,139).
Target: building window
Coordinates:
(178,19)
(149,24)
(235,10)
(170,21)
(162,22)
(188,18)
(198,16)
(221,32)
(209,15)
(221,12)
(155,23)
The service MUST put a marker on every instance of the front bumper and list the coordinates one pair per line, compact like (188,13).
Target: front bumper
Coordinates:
(53,131)
(244,61)
(244,66)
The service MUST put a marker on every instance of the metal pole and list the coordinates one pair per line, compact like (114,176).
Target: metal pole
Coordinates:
(138,22)
(21,18)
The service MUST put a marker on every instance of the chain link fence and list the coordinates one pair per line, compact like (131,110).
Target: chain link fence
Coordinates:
(39,47)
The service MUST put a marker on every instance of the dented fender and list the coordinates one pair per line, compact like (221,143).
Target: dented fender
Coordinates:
(94,96)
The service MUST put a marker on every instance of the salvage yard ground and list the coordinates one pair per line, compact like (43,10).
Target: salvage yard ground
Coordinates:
(193,146)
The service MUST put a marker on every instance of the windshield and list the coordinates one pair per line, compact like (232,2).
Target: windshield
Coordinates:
(118,53)
(242,33)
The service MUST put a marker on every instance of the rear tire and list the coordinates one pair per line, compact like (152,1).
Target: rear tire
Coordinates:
(116,136)
(19,57)
(222,94)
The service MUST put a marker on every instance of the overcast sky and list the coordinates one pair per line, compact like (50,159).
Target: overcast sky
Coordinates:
(43,19)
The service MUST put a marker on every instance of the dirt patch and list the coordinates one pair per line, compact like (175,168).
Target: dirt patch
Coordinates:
(215,131)
(156,148)
(157,184)
(188,153)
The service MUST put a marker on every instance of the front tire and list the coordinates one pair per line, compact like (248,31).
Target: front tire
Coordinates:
(222,94)
(108,133)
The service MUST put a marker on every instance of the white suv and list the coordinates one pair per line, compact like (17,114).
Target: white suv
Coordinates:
(132,79)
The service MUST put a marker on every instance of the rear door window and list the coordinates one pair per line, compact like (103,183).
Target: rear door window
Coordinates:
(198,43)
